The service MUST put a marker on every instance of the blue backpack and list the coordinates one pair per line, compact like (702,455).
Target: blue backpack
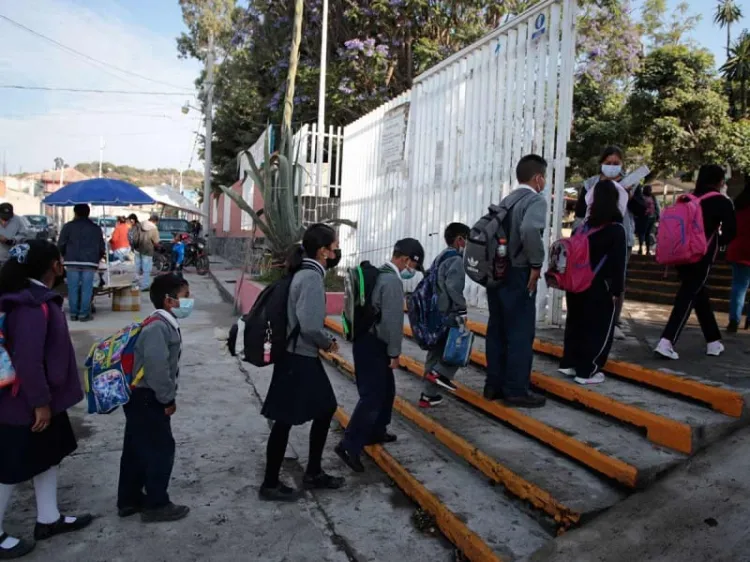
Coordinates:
(427,323)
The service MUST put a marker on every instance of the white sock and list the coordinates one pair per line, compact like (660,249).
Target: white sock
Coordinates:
(45,487)
(6,490)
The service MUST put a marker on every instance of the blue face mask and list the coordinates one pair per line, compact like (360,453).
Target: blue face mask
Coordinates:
(407,274)
(185,309)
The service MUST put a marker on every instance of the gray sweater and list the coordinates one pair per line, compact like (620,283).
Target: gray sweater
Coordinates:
(527,219)
(451,281)
(306,308)
(157,352)
(388,299)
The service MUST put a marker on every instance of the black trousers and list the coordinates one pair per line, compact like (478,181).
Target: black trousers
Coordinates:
(589,329)
(377,390)
(147,453)
(693,294)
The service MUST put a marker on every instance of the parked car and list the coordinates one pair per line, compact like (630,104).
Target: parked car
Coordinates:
(168,227)
(40,227)
(107,224)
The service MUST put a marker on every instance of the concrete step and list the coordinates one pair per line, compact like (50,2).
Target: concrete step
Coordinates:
(509,527)
(704,426)
(608,436)
(658,297)
(649,262)
(670,287)
(719,397)
(575,486)
(717,279)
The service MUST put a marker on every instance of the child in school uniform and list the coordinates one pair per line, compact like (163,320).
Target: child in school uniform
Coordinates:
(376,354)
(590,323)
(452,305)
(149,447)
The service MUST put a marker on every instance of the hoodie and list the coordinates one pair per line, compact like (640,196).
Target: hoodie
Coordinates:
(42,355)
(149,238)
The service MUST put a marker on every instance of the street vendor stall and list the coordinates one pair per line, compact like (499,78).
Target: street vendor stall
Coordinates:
(116,278)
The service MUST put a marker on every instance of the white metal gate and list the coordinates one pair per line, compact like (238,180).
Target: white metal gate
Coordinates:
(448,148)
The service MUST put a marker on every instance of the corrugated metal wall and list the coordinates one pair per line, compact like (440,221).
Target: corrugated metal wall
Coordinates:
(448,148)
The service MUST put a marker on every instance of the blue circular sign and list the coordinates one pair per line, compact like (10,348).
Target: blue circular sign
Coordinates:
(539,23)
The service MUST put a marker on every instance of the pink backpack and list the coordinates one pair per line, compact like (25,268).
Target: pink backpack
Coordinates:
(682,238)
(570,263)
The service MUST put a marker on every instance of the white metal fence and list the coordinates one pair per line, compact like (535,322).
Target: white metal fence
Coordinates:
(444,151)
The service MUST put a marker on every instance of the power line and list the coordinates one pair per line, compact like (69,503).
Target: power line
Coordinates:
(87,91)
(92,59)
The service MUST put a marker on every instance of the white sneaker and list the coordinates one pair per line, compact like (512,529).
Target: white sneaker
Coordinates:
(567,372)
(598,378)
(618,333)
(715,348)
(666,350)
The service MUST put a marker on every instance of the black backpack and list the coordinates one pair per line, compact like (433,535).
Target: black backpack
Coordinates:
(267,322)
(637,205)
(359,315)
(481,262)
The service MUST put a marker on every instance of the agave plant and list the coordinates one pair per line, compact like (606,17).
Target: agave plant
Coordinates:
(276,178)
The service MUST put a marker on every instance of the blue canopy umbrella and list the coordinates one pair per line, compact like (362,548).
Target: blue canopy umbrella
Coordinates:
(98,191)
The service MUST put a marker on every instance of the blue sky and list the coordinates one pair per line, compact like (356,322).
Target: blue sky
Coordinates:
(138,35)
(706,34)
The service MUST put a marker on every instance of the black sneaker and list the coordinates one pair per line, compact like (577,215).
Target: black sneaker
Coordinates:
(88,318)
(733,327)
(132,509)
(446,383)
(169,512)
(322,481)
(280,493)
(383,439)
(352,461)
(74,318)
(490,393)
(528,401)
(44,531)
(430,401)
(21,549)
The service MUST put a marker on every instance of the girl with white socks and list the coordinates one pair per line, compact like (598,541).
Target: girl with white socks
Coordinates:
(35,431)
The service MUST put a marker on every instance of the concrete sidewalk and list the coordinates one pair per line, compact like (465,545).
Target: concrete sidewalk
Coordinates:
(220,459)
(699,513)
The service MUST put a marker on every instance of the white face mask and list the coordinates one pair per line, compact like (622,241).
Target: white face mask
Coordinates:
(611,170)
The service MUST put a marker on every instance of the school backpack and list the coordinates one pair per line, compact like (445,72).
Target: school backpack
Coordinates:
(359,315)
(109,376)
(8,375)
(427,323)
(481,261)
(570,263)
(681,238)
(265,326)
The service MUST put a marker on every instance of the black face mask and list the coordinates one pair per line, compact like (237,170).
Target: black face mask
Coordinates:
(333,262)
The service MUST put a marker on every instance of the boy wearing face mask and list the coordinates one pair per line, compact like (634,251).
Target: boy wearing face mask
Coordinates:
(512,304)
(149,448)
(451,281)
(376,355)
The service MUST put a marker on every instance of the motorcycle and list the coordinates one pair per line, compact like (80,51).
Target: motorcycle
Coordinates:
(195,256)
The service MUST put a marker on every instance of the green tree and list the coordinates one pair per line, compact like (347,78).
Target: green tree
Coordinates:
(678,108)
(727,13)
(661,30)
(737,68)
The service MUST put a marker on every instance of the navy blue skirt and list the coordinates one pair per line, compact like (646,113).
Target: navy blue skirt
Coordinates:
(27,454)
(300,391)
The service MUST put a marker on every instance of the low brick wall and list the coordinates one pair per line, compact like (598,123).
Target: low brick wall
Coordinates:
(246,292)
(236,250)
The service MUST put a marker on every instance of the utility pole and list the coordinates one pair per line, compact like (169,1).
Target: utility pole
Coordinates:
(101,154)
(321,107)
(209,104)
